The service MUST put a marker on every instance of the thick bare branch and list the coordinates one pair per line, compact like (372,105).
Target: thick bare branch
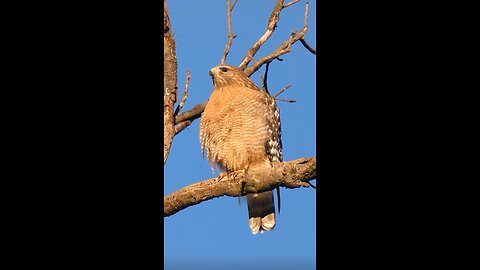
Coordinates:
(182,126)
(292,174)
(231,36)
(169,84)
(191,114)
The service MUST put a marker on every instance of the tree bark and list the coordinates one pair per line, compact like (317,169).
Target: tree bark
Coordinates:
(292,174)
(169,84)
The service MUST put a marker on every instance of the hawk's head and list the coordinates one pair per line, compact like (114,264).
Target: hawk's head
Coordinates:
(227,75)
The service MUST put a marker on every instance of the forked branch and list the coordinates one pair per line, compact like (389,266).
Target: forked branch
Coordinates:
(271,25)
(191,114)
(282,49)
(196,112)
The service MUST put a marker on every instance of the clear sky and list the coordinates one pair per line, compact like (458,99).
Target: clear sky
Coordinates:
(215,234)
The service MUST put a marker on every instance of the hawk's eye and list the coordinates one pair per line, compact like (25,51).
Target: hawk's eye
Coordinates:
(223,69)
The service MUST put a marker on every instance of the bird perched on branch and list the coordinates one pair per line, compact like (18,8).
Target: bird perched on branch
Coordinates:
(240,130)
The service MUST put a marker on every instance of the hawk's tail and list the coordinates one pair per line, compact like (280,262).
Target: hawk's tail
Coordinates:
(261,211)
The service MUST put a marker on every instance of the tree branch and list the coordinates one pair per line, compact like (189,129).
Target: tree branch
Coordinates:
(265,78)
(281,50)
(230,35)
(291,174)
(182,126)
(290,3)
(184,95)
(196,112)
(169,84)
(282,90)
(191,114)
(272,23)
(186,119)
(310,49)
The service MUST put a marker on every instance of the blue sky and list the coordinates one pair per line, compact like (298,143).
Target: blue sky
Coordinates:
(215,234)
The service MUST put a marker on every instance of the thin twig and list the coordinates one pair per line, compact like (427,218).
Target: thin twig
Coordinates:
(234,3)
(184,95)
(230,35)
(282,90)
(286,100)
(265,77)
(305,19)
(305,44)
(291,3)
(262,79)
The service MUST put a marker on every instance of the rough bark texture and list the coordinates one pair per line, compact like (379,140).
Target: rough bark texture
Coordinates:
(292,174)
(169,84)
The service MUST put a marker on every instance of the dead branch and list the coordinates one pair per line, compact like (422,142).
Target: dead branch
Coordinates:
(191,114)
(184,95)
(282,90)
(305,44)
(282,49)
(185,123)
(272,24)
(197,111)
(291,174)
(264,81)
(286,100)
(290,3)
(186,119)
(169,84)
(230,35)
(182,126)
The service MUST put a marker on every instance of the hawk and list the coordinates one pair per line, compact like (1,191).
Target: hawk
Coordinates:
(240,130)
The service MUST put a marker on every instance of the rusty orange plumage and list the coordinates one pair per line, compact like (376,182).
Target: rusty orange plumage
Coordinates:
(239,130)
